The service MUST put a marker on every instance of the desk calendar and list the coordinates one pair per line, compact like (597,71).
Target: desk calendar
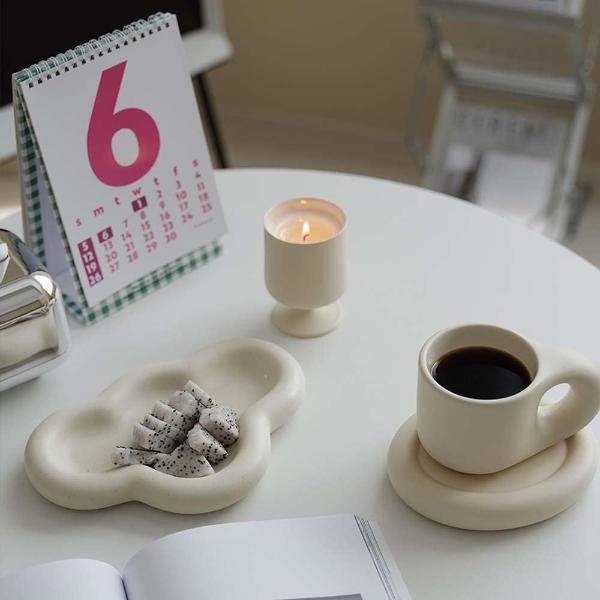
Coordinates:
(118,187)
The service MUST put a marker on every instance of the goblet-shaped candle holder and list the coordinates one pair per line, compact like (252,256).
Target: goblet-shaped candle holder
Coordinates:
(306,265)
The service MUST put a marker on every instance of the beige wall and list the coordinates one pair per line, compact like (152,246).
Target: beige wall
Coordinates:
(343,61)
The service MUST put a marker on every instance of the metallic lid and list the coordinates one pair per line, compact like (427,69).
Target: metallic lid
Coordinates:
(26,290)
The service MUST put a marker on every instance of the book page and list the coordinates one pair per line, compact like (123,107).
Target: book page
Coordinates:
(388,558)
(299,559)
(79,579)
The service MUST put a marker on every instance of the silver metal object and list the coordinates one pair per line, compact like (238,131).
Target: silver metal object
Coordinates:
(34,334)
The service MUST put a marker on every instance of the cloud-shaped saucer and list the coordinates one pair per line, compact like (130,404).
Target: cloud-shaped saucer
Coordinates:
(68,456)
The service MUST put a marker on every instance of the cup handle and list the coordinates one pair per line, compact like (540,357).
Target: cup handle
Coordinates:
(566,417)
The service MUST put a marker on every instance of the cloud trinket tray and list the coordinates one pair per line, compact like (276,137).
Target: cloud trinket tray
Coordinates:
(68,456)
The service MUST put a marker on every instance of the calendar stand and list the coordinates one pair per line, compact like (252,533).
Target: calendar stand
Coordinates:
(118,188)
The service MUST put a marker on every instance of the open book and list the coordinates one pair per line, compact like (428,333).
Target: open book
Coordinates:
(324,558)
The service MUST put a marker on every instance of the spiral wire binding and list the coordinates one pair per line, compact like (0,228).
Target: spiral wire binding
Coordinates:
(55,66)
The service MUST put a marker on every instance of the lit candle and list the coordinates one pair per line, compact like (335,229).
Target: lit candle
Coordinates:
(305,265)
(307,221)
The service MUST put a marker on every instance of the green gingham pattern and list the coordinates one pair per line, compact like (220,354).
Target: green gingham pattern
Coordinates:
(30,158)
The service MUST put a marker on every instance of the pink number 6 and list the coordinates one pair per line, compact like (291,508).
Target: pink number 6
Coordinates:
(105,122)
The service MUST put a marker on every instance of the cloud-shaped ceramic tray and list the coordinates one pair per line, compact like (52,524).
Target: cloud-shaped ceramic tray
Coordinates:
(68,456)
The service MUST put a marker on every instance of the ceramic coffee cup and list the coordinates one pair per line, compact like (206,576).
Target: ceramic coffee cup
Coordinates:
(485,436)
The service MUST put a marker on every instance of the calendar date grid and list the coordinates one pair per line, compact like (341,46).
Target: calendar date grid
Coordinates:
(150,218)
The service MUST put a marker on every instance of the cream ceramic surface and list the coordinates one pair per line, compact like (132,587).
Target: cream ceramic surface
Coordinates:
(485,436)
(534,490)
(68,457)
(306,278)
(307,323)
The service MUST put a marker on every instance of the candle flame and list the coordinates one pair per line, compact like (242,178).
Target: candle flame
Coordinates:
(305,231)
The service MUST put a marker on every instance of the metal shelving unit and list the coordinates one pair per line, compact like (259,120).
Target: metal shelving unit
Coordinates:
(537,54)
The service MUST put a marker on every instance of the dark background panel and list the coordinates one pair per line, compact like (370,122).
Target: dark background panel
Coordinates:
(30,32)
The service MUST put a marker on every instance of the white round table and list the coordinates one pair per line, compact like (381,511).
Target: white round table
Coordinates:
(419,261)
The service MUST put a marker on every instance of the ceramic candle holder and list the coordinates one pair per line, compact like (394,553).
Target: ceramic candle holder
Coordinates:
(306,265)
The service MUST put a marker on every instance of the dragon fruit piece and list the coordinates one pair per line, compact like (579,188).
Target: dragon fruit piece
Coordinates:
(162,428)
(123,456)
(167,465)
(204,400)
(203,442)
(172,416)
(189,456)
(222,423)
(185,403)
(184,462)
(146,438)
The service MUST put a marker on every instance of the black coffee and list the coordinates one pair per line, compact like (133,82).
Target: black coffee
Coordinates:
(483,373)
